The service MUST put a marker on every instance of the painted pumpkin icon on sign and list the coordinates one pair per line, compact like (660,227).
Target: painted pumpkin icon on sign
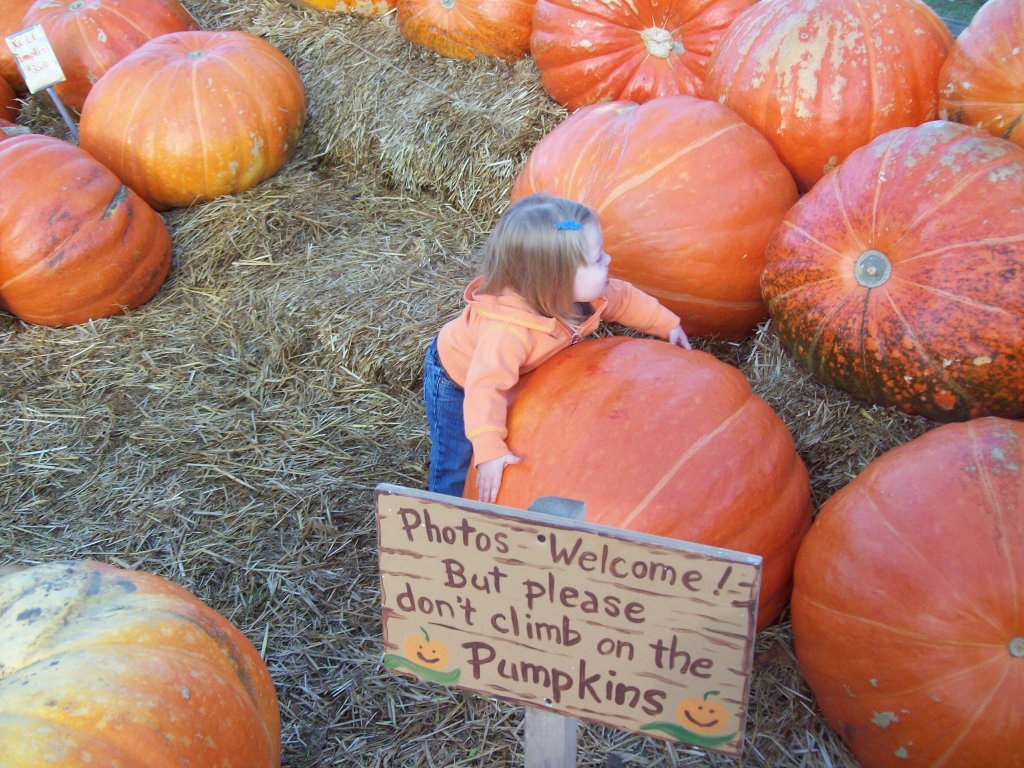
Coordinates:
(425,658)
(701,722)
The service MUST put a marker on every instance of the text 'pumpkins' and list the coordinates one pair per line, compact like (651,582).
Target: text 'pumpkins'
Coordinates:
(656,439)
(820,78)
(101,666)
(687,193)
(190,116)
(900,276)
(908,602)
(75,243)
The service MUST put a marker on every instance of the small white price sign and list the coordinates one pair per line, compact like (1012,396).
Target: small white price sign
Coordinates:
(35,58)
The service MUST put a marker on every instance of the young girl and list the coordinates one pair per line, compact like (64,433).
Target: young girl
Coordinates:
(543,285)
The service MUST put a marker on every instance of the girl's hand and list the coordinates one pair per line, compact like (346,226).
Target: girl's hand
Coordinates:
(677,336)
(488,476)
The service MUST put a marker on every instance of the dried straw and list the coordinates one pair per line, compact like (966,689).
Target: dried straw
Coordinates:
(228,435)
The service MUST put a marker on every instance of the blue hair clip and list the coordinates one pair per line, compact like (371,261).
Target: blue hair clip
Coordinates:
(568,224)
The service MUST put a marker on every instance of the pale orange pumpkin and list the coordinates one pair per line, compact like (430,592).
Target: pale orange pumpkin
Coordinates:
(101,666)
(688,196)
(75,243)
(982,80)
(192,115)
(89,36)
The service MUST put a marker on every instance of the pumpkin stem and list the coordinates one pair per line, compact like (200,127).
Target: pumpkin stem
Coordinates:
(425,635)
(660,43)
(872,268)
(449,4)
(1017,647)
(711,693)
(76,5)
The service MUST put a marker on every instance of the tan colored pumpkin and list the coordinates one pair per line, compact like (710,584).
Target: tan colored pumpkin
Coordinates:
(101,666)
(192,115)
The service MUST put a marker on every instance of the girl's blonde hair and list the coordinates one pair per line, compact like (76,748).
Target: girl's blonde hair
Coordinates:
(534,251)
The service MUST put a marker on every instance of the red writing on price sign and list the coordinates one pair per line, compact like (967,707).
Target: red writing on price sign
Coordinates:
(35,58)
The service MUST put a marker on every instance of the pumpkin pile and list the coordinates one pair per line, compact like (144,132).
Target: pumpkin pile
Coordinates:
(170,116)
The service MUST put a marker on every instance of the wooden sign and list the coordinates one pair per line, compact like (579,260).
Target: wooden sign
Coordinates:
(638,632)
(35,58)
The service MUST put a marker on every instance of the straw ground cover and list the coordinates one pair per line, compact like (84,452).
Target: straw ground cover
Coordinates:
(228,435)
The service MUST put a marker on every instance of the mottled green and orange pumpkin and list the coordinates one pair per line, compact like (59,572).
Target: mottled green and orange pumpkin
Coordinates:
(595,50)
(908,603)
(982,80)
(820,78)
(669,442)
(101,666)
(90,36)
(687,194)
(466,29)
(900,276)
(75,243)
(189,116)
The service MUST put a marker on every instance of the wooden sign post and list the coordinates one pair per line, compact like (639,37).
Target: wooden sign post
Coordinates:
(637,632)
(39,67)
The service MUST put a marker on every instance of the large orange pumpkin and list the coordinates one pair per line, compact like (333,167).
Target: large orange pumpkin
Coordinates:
(688,196)
(657,439)
(89,36)
(908,604)
(900,276)
(982,80)
(192,115)
(12,13)
(594,50)
(820,78)
(75,243)
(101,666)
(465,29)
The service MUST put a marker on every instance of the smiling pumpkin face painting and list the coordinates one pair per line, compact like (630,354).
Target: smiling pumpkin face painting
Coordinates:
(702,716)
(426,652)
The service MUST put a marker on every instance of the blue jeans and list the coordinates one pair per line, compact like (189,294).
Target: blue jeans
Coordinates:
(450,450)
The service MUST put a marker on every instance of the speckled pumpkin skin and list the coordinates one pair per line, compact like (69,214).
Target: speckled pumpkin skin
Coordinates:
(941,208)
(101,666)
